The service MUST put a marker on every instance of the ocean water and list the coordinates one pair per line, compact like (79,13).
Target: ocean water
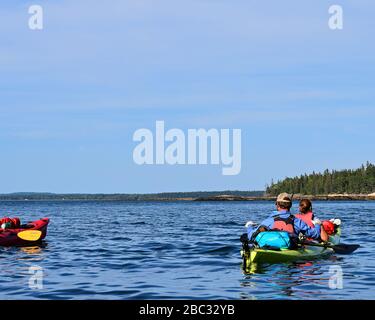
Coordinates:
(175,250)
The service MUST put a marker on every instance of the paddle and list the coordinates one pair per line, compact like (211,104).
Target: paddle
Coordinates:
(30,235)
(338,248)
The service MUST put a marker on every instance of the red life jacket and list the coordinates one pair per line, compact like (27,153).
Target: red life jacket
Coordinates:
(306,218)
(5,220)
(284,224)
(14,222)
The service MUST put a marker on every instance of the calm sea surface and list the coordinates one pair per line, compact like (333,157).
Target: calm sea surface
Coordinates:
(179,250)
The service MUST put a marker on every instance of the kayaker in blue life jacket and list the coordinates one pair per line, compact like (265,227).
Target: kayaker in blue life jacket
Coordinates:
(283,220)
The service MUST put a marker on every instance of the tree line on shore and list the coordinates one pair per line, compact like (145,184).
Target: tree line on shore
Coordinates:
(357,181)
(124,197)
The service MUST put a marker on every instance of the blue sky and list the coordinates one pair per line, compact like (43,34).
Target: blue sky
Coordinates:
(72,95)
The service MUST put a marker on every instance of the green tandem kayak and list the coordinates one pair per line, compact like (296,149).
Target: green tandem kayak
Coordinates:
(257,255)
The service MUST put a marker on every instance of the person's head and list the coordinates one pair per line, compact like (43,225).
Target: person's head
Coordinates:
(305,206)
(283,202)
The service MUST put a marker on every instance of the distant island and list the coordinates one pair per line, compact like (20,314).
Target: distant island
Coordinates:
(166,196)
(178,196)
(357,184)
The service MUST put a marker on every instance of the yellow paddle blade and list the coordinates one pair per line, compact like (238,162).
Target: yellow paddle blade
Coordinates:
(30,235)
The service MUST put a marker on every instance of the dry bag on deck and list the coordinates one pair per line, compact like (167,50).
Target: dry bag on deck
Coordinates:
(273,240)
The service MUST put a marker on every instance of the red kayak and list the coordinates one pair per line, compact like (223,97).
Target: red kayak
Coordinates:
(10,237)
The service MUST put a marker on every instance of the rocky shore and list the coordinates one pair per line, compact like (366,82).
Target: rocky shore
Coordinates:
(324,197)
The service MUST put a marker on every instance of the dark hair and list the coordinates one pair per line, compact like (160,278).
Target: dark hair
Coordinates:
(305,206)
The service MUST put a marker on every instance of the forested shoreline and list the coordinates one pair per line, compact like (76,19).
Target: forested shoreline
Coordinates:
(357,181)
(349,184)
(165,196)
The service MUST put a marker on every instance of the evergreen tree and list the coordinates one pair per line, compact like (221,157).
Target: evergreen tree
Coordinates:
(361,180)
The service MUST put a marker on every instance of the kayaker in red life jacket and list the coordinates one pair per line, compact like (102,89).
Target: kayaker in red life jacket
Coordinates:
(306,212)
(283,220)
(9,223)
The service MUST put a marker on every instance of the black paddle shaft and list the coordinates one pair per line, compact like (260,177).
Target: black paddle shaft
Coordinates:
(338,248)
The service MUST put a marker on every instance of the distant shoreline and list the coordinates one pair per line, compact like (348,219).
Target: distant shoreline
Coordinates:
(197,196)
(329,197)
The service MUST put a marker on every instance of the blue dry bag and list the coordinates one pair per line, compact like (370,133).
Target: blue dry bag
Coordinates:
(273,239)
